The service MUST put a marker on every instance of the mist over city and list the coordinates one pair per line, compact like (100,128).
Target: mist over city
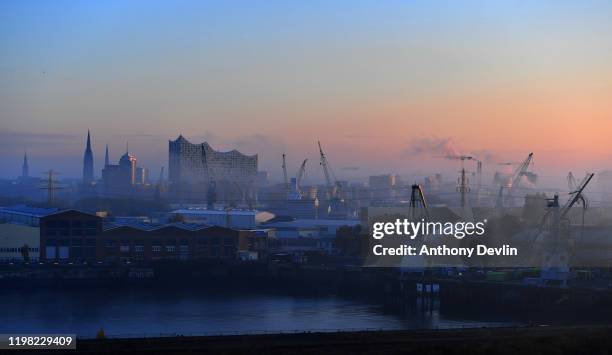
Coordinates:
(306,177)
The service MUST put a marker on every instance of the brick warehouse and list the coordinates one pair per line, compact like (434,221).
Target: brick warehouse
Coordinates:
(76,236)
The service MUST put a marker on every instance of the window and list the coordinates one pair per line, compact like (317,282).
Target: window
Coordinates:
(156,248)
(170,248)
(139,248)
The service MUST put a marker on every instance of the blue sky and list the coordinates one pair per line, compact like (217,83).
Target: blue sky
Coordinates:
(277,75)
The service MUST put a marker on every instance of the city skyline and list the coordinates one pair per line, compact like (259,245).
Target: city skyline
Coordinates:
(502,79)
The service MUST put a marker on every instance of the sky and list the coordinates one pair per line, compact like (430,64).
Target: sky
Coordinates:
(386,86)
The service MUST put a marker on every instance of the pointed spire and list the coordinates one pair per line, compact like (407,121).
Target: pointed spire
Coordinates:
(127,148)
(106,160)
(88,141)
(25,168)
(88,164)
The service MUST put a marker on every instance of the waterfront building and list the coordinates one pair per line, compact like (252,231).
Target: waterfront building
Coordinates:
(179,241)
(198,172)
(69,236)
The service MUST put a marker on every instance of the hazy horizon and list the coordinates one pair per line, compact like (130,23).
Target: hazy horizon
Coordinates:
(385,86)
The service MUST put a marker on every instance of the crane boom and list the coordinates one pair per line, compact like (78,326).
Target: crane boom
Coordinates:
(520,171)
(325,167)
(299,176)
(576,195)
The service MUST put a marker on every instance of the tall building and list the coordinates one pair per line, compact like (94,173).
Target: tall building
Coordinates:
(88,165)
(25,168)
(127,163)
(119,179)
(194,168)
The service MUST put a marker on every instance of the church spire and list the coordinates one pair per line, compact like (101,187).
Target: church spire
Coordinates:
(88,165)
(25,168)
(88,148)
(106,160)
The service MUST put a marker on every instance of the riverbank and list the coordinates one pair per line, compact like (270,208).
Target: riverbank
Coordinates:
(531,340)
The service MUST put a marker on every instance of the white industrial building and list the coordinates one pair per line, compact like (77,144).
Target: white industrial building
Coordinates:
(236,219)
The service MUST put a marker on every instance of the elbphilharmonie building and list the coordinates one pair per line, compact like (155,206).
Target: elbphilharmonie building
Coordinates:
(193,168)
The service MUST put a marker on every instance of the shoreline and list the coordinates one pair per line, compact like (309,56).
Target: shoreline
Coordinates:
(531,339)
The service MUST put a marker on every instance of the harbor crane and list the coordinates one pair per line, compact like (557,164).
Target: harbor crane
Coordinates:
(572,184)
(576,194)
(519,172)
(333,186)
(555,222)
(299,177)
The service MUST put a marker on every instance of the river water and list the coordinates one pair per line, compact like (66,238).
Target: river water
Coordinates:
(126,312)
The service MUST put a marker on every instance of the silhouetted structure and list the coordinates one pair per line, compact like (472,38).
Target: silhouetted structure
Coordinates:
(25,169)
(88,164)
(195,168)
